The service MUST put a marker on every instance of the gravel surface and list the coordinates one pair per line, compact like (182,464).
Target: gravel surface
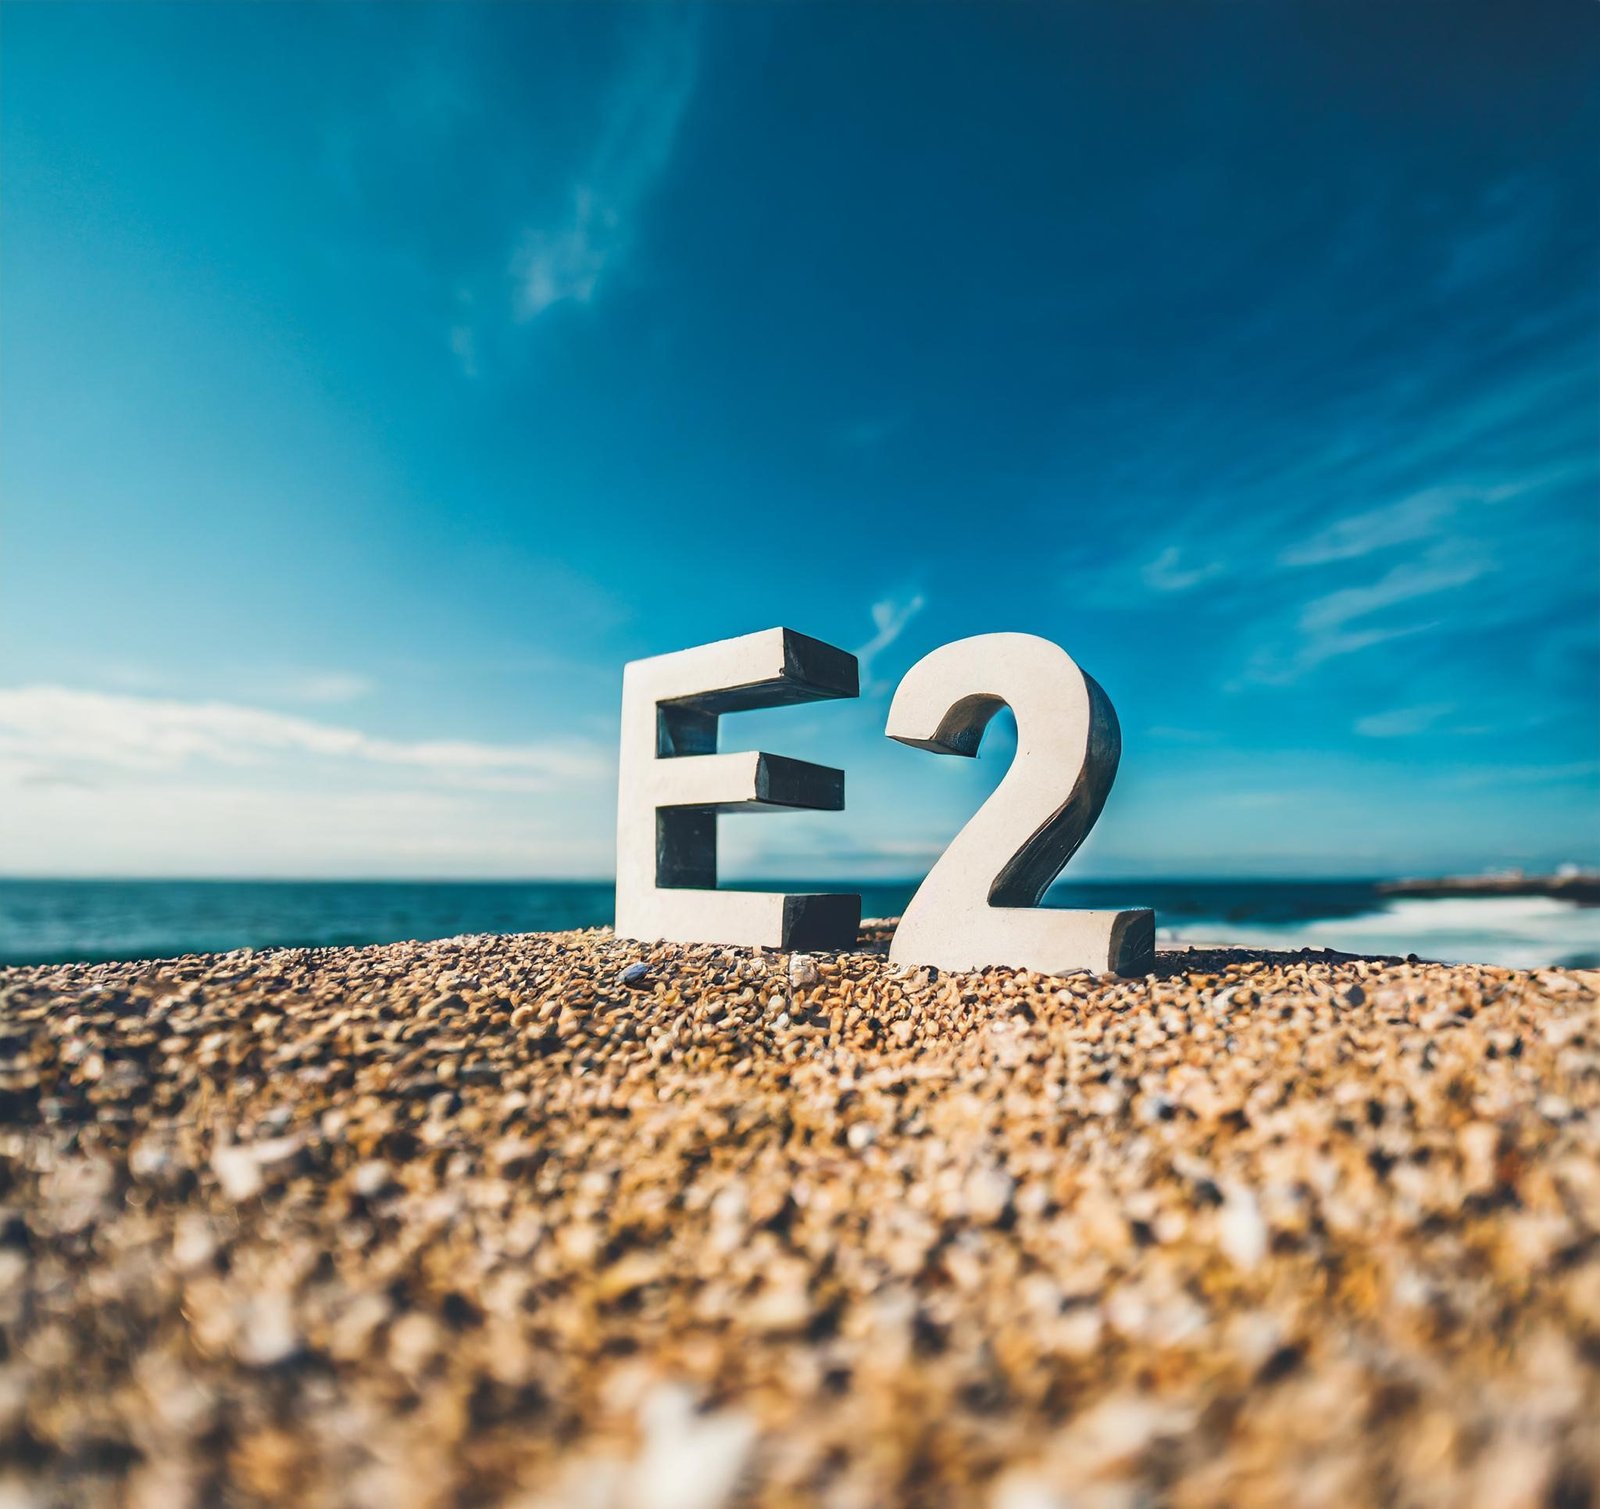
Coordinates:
(515,1220)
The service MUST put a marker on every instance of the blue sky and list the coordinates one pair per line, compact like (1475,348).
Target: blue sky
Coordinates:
(376,382)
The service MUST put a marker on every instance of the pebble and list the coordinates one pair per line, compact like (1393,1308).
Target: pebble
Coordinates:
(988,1193)
(534,1221)
(1241,1231)
(372,1178)
(238,1173)
(267,1336)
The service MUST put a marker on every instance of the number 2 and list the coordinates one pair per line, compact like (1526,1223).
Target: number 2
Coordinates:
(1068,746)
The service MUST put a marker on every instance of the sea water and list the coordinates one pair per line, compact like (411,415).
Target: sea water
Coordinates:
(54,921)
(1524,932)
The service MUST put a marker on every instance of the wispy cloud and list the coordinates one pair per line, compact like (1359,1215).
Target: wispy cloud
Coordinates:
(325,687)
(1393,512)
(552,266)
(1115,575)
(1168,573)
(1330,615)
(58,731)
(567,260)
(1359,534)
(464,347)
(1417,517)
(1527,775)
(890,617)
(1403,722)
(1339,623)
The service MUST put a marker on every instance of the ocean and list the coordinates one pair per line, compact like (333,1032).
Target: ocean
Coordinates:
(60,921)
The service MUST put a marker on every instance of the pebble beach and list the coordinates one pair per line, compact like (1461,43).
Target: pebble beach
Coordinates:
(557,1220)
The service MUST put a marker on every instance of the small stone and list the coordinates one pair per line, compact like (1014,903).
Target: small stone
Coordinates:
(988,1192)
(238,1173)
(194,1244)
(781,1306)
(372,1178)
(149,1161)
(413,1342)
(635,976)
(268,1336)
(689,1460)
(1241,1231)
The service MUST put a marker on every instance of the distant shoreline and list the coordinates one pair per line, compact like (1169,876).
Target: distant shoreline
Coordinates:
(1583,889)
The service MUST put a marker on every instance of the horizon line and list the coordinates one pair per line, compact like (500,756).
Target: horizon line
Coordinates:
(778,882)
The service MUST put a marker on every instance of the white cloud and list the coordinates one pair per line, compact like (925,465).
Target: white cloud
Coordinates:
(889,618)
(49,731)
(1167,573)
(1419,516)
(1330,626)
(566,264)
(1400,584)
(326,687)
(1403,722)
(567,261)
(1359,534)
(98,783)
(229,828)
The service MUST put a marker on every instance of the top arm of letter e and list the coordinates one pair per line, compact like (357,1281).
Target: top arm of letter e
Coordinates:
(672,784)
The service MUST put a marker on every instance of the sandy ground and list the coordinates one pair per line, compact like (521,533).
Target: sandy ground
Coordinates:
(555,1220)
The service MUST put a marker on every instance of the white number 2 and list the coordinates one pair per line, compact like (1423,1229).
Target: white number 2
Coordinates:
(979,905)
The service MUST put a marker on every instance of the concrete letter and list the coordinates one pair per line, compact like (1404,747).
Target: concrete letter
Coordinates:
(980,903)
(672,784)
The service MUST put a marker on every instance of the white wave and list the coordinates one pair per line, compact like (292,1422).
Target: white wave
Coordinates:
(1517,932)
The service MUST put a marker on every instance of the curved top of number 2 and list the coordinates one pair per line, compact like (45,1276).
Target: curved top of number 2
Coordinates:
(672,784)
